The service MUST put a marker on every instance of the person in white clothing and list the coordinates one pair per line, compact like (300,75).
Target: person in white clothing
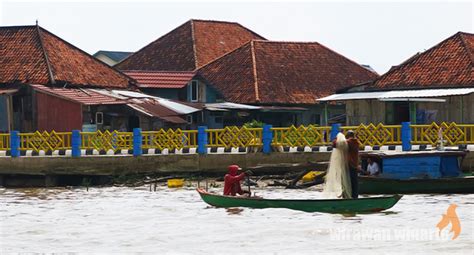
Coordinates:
(373,168)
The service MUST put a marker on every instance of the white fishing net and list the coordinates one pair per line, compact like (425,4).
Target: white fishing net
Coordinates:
(338,184)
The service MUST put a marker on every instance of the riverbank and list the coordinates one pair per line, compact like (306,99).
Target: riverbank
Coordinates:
(47,171)
(97,170)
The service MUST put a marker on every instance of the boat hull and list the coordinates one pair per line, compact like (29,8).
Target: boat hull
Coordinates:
(361,205)
(376,185)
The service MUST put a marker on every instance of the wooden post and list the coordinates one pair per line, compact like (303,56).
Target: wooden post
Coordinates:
(412,107)
(325,114)
(10,112)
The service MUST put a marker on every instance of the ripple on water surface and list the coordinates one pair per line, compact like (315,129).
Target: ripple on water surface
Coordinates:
(118,219)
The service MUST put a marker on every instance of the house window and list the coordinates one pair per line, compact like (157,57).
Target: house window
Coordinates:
(99,118)
(194,91)
(189,119)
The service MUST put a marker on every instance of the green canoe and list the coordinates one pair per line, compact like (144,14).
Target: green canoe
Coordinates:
(361,205)
(377,185)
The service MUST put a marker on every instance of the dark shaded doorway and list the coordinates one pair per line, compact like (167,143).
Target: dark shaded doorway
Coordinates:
(401,112)
(133,122)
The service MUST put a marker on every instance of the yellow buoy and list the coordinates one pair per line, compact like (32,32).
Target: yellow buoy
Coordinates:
(175,183)
(309,177)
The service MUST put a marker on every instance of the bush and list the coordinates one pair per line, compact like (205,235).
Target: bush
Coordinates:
(254,124)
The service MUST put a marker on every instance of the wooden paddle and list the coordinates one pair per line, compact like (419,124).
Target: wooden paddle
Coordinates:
(248,185)
(247,174)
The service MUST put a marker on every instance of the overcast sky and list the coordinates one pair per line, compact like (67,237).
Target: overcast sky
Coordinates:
(378,34)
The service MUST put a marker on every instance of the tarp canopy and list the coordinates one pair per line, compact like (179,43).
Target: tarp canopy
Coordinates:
(402,95)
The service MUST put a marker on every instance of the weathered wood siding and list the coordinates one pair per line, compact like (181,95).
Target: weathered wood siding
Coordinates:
(3,114)
(57,114)
(365,112)
(458,109)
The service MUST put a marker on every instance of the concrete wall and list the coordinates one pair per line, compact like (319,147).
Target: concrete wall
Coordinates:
(119,165)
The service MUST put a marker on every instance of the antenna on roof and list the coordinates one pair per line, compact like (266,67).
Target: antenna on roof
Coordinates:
(36,22)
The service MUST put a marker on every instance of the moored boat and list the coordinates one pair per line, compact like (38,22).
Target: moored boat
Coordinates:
(412,172)
(361,205)
(377,185)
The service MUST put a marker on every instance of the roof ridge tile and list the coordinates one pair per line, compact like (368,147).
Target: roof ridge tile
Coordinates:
(193,38)
(45,55)
(466,47)
(254,69)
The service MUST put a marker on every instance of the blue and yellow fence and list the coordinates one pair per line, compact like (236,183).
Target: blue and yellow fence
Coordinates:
(265,138)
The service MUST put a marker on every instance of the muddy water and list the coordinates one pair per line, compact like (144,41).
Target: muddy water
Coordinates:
(128,220)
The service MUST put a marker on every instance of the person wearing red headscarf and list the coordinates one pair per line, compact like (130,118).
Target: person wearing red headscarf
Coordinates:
(232,181)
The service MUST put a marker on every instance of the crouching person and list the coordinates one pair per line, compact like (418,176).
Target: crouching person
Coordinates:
(232,182)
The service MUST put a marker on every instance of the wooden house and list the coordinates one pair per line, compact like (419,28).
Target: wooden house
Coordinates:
(216,62)
(433,86)
(48,84)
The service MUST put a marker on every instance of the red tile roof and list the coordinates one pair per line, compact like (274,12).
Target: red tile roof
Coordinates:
(189,46)
(161,79)
(448,64)
(83,96)
(268,72)
(31,54)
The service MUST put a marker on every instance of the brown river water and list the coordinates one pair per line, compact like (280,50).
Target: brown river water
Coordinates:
(114,220)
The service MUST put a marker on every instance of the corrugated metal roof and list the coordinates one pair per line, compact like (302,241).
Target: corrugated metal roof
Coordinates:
(116,56)
(231,106)
(131,94)
(83,96)
(161,80)
(177,107)
(164,109)
(419,93)
(137,97)
(274,108)
(159,111)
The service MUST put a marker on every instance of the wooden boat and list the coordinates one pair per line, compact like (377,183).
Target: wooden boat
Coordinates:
(377,185)
(416,172)
(361,205)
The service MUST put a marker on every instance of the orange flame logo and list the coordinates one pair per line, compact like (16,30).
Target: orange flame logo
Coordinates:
(450,217)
